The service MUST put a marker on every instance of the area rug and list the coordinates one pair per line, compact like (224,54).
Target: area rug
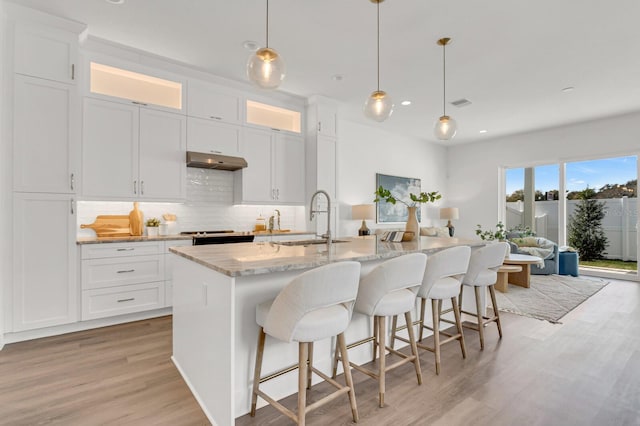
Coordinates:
(550,297)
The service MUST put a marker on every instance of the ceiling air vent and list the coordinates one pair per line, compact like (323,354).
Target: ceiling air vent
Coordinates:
(461,103)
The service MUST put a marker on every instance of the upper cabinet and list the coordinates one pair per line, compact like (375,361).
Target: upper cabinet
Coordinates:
(131,152)
(213,102)
(212,137)
(274,117)
(132,84)
(45,52)
(46,146)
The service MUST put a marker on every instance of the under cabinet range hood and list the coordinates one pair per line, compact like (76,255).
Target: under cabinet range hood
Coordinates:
(214,161)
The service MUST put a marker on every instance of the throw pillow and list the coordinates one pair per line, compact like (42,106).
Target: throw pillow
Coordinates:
(526,242)
(442,231)
(428,231)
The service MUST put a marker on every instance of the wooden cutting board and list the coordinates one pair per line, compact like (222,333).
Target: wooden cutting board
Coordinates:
(109,226)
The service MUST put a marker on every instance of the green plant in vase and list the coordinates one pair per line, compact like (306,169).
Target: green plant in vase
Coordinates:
(152,226)
(499,234)
(383,194)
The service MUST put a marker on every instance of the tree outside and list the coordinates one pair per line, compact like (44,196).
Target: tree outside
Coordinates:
(585,231)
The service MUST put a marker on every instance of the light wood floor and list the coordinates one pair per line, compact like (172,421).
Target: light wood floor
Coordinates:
(585,371)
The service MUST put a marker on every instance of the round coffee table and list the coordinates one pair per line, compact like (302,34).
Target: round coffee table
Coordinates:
(521,278)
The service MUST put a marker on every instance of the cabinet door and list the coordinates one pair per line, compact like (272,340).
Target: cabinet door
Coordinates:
(256,177)
(45,144)
(327,121)
(211,102)
(288,171)
(109,150)
(46,53)
(213,137)
(326,165)
(162,155)
(45,289)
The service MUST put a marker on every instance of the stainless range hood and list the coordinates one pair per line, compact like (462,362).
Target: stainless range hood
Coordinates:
(214,161)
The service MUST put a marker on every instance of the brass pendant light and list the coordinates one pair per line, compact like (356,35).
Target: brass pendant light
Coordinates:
(446,126)
(266,68)
(379,105)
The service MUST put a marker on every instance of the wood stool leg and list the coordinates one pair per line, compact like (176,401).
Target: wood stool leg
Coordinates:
(456,313)
(414,347)
(347,376)
(375,338)
(460,298)
(479,315)
(394,325)
(492,292)
(335,362)
(310,365)
(435,315)
(257,370)
(303,356)
(423,305)
(382,344)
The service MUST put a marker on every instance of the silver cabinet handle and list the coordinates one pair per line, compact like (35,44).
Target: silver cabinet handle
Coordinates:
(72,206)
(141,187)
(138,103)
(73,71)
(278,194)
(126,271)
(125,249)
(215,152)
(73,181)
(126,300)
(215,118)
(135,186)
(319,126)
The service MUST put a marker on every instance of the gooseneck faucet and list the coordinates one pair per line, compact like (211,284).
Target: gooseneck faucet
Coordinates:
(328,212)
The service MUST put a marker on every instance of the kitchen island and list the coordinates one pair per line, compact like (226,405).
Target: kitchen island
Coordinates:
(215,291)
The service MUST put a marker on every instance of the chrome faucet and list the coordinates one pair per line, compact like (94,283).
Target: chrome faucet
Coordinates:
(328,212)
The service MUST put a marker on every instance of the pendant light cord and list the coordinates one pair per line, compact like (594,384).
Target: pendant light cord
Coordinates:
(444,80)
(267,24)
(378,48)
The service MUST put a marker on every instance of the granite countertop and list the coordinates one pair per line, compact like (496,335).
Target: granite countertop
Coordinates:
(244,259)
(134,239)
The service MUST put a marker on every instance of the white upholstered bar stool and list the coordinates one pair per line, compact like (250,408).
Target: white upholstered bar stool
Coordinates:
(442,280)
(389,290)
(314,306)
(483,273)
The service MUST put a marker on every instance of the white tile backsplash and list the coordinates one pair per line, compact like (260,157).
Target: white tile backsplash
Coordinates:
(209,206)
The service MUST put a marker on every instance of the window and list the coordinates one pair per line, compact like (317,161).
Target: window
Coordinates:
(273,117)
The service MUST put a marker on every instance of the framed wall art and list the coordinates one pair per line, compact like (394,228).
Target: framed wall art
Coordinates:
(400,187)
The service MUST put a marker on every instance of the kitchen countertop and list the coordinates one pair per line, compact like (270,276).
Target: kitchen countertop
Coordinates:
(134,239)
(265,257)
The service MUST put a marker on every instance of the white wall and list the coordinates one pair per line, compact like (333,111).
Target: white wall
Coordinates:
(474,168)
(365,150)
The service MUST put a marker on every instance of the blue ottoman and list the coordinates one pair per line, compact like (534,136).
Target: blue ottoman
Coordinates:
(568,263)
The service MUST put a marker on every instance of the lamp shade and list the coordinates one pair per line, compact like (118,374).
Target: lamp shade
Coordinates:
(449,213)
(266,68)
(363,212)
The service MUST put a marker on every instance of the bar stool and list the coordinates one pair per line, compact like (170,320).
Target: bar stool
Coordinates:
(389,290)
(316,305)
(442,280)
(483,272)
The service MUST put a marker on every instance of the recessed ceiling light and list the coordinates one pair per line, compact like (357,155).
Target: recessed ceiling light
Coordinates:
(251,45)
(568,89)
(483,131)
(405,103)
(115,1)
(337,77)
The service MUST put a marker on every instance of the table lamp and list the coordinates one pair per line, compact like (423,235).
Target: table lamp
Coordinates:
(449,213)
(364,212)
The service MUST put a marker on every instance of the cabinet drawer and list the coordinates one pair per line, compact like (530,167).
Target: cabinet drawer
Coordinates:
(98,251)
(111,272)
(107,302)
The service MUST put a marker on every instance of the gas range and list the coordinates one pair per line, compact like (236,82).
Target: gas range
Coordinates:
(225,236)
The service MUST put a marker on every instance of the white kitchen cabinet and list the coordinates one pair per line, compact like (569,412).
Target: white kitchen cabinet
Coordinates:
(45,291)
(45,136)
(213,102)
(275,172)
(131,152)
(168,268)
(46,52)
(122,278)
(213,137)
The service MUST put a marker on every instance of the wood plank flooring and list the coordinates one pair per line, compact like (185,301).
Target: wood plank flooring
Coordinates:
(585,371)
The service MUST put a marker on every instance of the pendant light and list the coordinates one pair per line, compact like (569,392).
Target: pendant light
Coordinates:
(379,105)
(265,67)
(446,126)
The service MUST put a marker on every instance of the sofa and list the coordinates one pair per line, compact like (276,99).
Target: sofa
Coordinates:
(541,247)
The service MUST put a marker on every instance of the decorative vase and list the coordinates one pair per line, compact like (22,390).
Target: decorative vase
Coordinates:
(152,231)
(412,222)
(135,220)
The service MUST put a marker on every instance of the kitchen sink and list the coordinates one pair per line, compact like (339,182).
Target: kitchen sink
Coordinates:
(307,242)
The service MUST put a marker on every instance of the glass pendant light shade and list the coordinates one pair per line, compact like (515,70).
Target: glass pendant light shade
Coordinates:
(445,128)
(266,68)
(378,106)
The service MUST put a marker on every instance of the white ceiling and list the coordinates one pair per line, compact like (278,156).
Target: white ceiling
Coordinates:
(511,58)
